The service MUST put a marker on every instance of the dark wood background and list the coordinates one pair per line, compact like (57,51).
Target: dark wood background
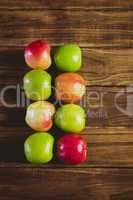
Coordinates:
(104,30)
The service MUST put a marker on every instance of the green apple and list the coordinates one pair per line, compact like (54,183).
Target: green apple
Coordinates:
(68,58)
(70,118)
(38,148)
(37,85)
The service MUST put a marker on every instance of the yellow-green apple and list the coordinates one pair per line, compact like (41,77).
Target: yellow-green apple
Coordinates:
(39,148)
(39,115)
(37,85)
(68,57)
(70,118)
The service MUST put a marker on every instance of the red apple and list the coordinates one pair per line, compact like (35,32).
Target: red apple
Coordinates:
(37,55)
(72,149)
(69,87)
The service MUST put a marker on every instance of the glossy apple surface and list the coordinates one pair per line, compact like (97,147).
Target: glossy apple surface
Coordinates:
(70,118)
(37,85)
(38,148)
(69,87)
(72,149)
(68,58)
(37,55)
(39,115)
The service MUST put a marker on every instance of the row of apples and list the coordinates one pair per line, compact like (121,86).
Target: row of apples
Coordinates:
(41,115)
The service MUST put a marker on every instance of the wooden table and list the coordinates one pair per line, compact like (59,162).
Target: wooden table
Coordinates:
(104,30)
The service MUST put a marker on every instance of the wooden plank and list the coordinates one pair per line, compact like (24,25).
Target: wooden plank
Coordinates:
(105,67)
(108,106)
(107,147)
(108,66)
(84,4)
(23,182)
(89,29)
(93,135)
(104,106)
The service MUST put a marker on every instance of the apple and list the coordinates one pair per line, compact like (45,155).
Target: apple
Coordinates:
(69,87)
(39,115)
(37,85)
(72,149)
(38,148)
(37,55)
(70,118)
(68,58)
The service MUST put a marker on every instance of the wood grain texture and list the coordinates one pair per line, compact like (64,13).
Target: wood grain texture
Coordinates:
(102,67)
(72,4)
(103,29)
(23,182)
(89,29)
